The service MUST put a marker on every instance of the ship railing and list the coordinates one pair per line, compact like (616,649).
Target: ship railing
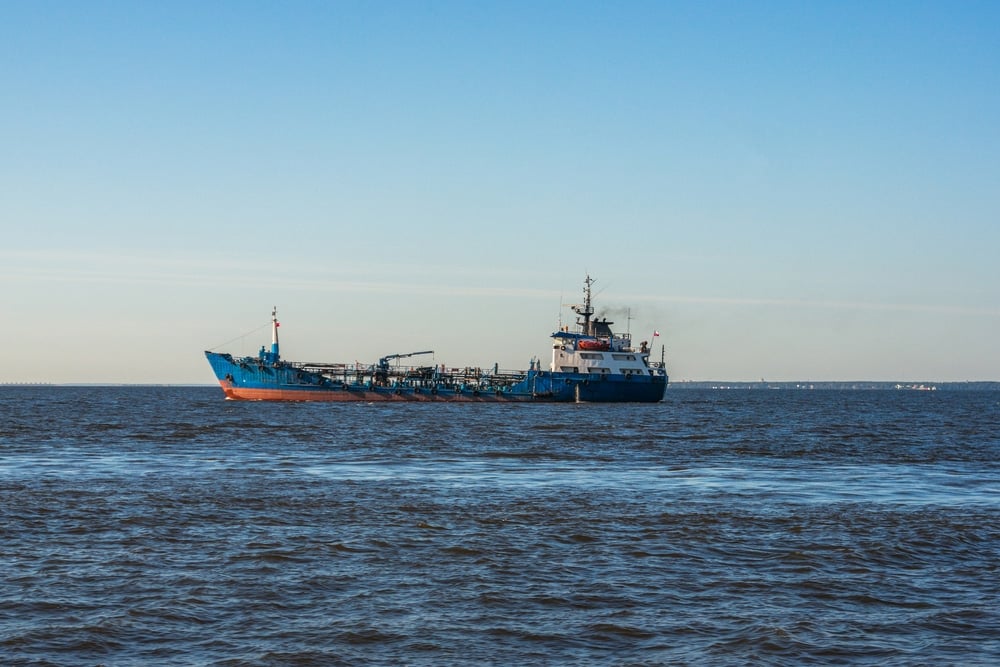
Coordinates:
(474,376)
(621,342)
(414,376)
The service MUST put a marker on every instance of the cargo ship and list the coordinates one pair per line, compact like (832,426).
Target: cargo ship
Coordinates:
(591,364)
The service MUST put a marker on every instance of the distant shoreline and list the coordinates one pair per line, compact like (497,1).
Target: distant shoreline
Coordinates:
(866,385)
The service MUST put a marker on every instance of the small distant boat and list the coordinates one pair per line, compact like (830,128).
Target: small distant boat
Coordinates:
(592,364)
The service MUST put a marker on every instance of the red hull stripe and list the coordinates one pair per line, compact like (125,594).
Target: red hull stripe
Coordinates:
(359,396)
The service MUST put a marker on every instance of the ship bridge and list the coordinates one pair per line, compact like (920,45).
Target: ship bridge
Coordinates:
(595,349)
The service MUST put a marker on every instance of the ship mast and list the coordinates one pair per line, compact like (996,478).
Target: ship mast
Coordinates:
(274,333)
(586,310)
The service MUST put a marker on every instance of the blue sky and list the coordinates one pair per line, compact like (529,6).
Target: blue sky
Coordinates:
(787,190)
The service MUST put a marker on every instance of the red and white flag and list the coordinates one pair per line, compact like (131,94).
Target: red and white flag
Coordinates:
(656,333)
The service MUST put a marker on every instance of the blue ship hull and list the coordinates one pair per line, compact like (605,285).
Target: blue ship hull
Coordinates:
(591,365)
(249,378)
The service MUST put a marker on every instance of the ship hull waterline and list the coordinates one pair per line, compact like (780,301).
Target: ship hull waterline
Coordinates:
(593,364)
(290,384)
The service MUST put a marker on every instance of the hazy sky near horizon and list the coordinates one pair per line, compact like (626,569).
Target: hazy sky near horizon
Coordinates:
(787,190)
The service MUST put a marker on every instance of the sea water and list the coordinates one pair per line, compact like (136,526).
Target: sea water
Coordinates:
(167,526)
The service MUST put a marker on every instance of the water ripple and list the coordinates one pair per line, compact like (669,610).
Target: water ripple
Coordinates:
(718,527)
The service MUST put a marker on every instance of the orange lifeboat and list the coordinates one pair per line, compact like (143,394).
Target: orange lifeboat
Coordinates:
(598,345)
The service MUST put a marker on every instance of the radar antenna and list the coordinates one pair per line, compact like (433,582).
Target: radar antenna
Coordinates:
(586,310)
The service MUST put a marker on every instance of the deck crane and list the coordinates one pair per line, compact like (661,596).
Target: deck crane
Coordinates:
(382,372)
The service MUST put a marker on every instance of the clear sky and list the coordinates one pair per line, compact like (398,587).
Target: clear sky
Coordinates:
(787,190)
